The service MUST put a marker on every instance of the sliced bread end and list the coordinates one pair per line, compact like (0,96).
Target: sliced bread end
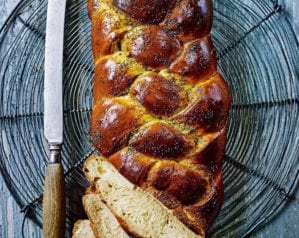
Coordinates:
(82,229)
(103,222)
(142,212)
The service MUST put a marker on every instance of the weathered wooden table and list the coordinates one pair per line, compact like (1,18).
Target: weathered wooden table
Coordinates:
(284,225)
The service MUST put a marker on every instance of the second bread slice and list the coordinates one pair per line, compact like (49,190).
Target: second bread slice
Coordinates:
(82,229)
(103,222)
(141,213)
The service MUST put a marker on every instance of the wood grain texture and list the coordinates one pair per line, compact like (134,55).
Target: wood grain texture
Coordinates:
(11,217)
(284,225)
(54,202)
(291,7)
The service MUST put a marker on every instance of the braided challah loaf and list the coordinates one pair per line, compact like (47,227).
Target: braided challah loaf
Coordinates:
(160,106)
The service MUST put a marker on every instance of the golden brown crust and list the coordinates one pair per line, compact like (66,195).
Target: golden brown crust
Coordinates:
(133,165)
(161,107)
(112,122)
(210,109)
(159,95)
(211,156)
(190,19)
(197,62)
(160,140)
(114,75)
(145,10)
(206,212)
(103,40)
(178,181)
(108,28)
(152,46)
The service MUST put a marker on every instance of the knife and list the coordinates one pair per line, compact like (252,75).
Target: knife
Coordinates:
(54,187)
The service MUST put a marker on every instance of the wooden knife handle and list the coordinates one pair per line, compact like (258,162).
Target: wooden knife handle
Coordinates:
(54,202)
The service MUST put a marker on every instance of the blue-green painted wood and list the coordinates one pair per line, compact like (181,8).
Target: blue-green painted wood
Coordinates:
(284,225)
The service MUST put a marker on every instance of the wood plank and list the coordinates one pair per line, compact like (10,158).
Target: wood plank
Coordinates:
(285,225)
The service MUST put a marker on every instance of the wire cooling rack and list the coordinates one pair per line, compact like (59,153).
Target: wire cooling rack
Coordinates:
(258,56)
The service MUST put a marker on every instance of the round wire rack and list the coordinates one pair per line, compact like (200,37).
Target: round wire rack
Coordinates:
(257,55)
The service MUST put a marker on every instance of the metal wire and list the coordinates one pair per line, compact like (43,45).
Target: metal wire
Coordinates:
(258,58)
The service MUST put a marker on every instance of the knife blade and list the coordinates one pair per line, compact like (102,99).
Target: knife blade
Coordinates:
(53,101)
(54,187)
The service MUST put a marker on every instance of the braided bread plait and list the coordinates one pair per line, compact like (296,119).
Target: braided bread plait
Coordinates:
(160,106)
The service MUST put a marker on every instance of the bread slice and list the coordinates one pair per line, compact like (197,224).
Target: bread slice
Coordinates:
(140,212)
(82,229)
(103,222)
